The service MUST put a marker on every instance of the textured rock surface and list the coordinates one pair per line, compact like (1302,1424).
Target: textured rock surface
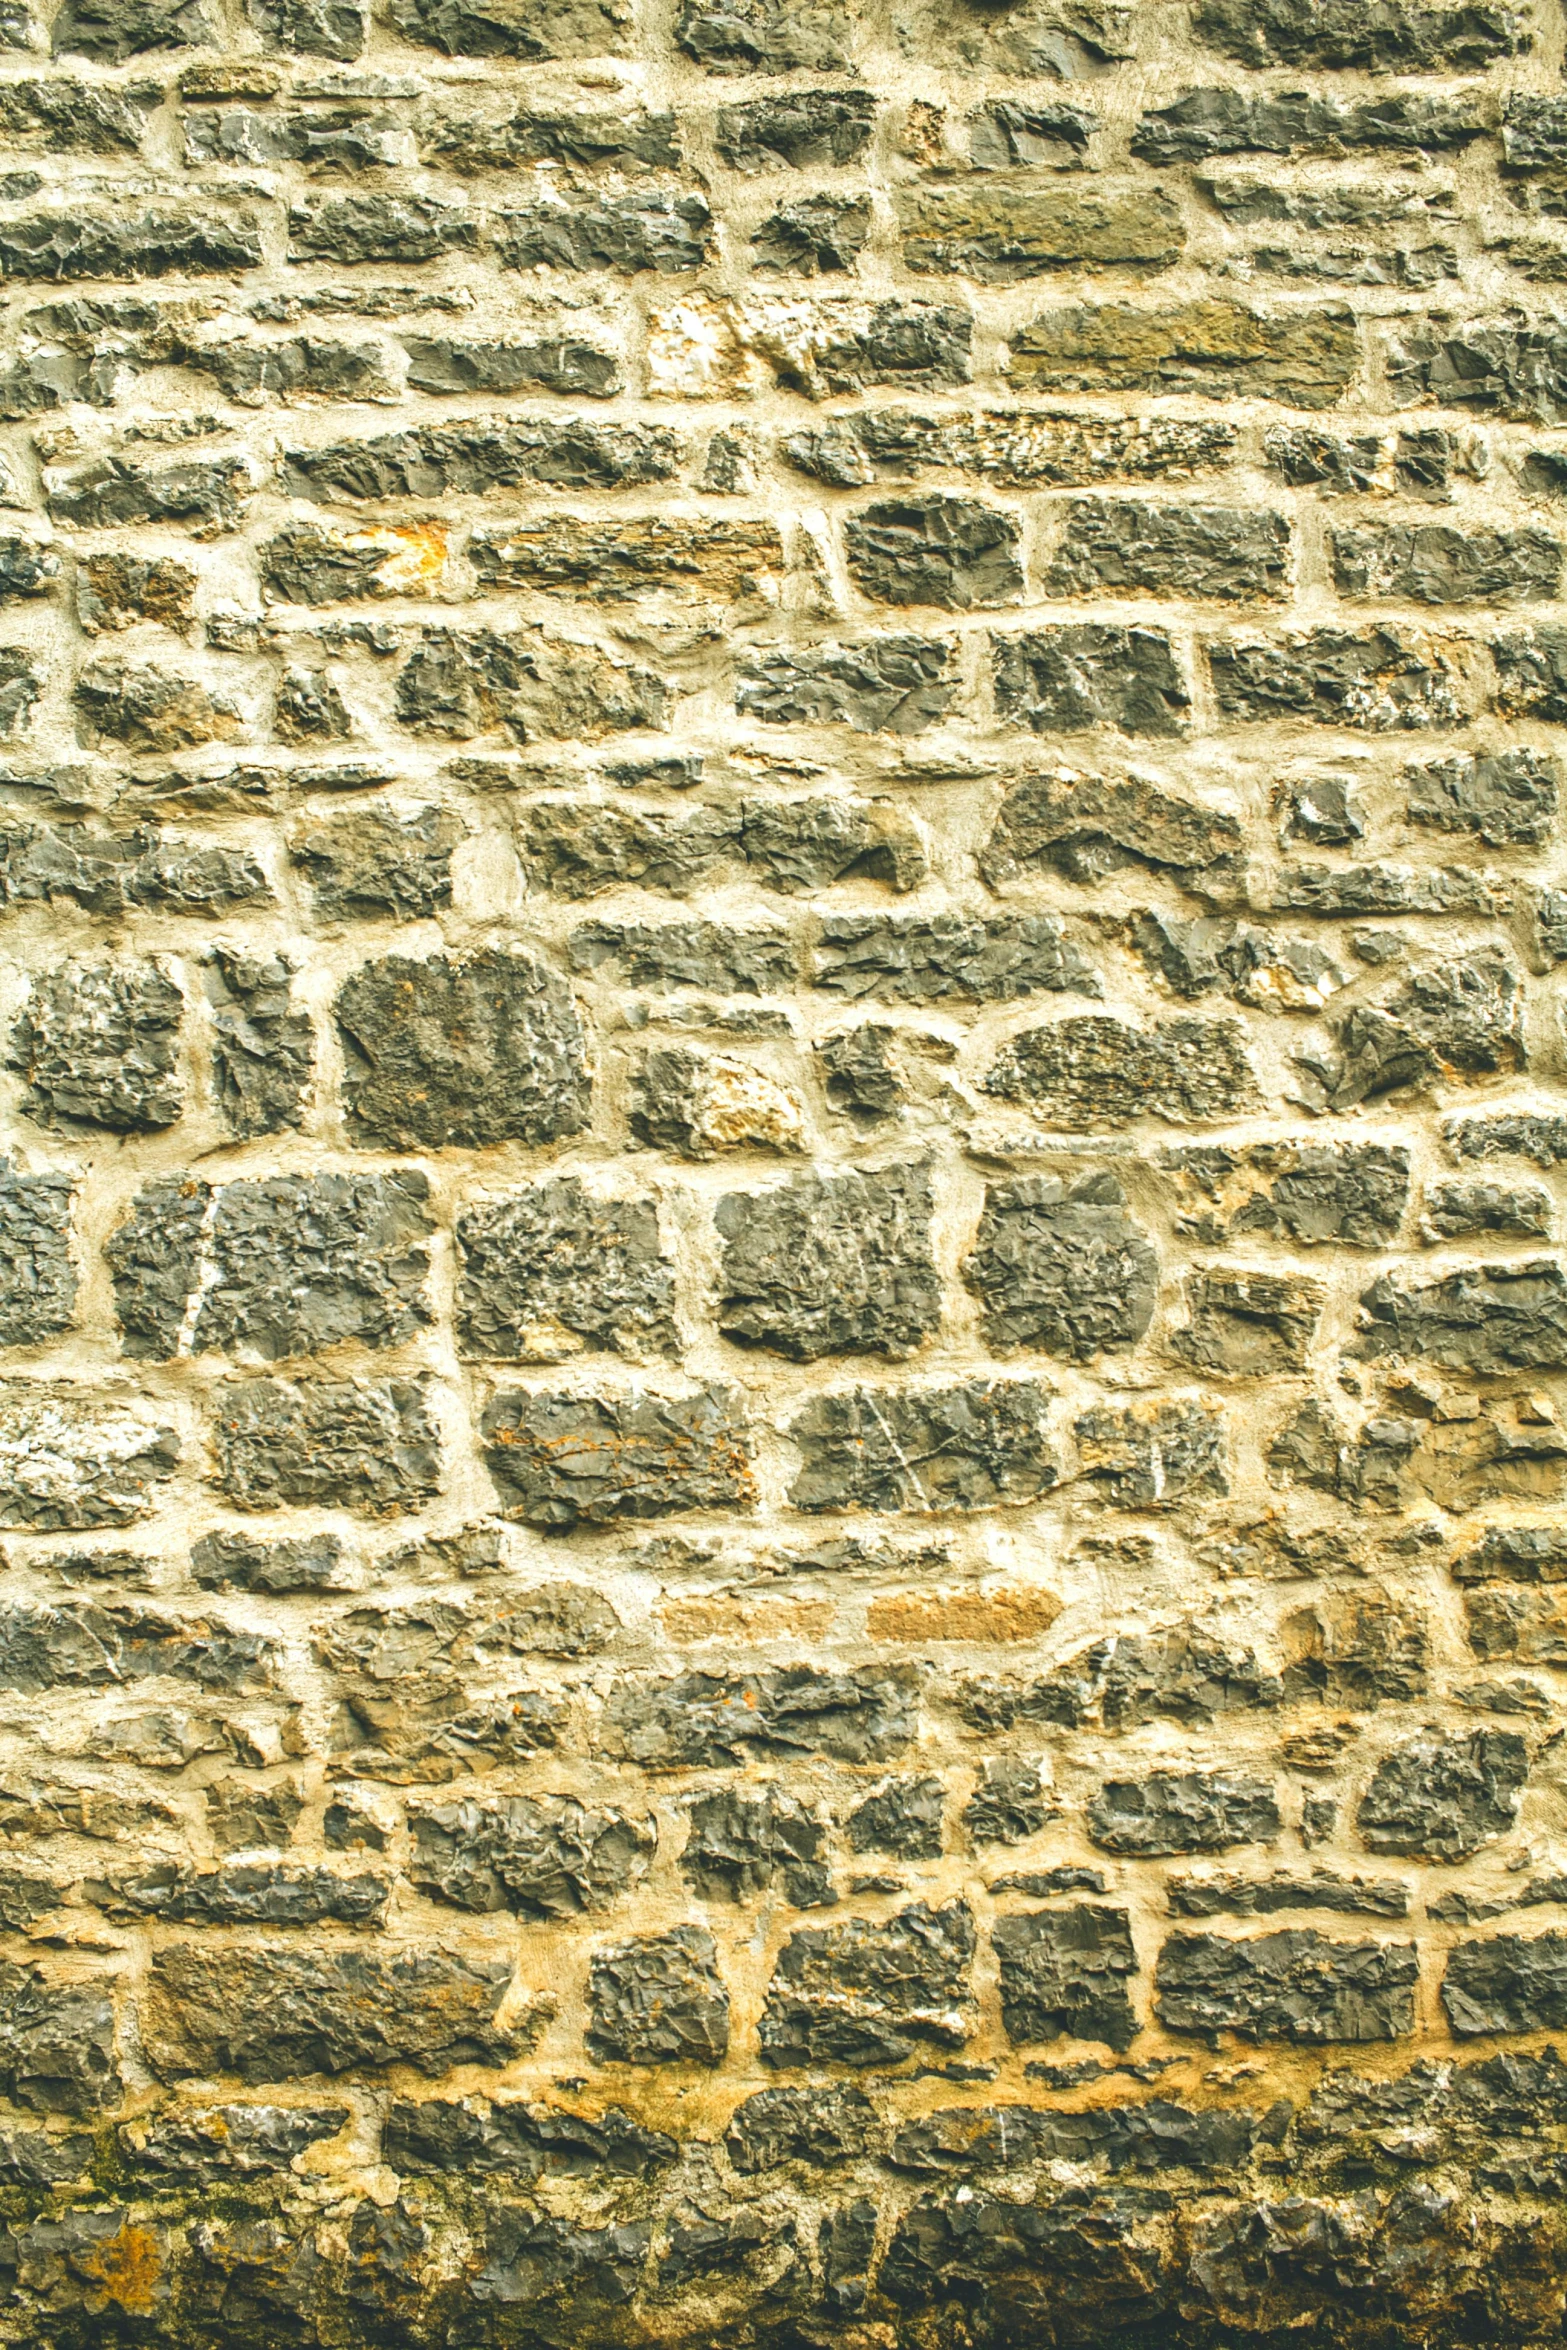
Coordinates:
(784,1419)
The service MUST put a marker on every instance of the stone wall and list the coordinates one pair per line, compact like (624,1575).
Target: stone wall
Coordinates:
(785,1394)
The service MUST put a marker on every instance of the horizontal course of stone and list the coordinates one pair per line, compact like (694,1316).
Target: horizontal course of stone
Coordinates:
(783,1107)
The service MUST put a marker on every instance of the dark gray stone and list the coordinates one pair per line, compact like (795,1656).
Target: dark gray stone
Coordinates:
(489,28)
(459,683)
(863,1994)
(1433,563)
(859,1073)
(1065,1270)
(1222,554)
(1247,1325)
(1375,680)
(1088,674)
(1399,37)
(149,709)
(1064,1972)
(1461,1018)
(241,1894)
(1264,1897)
(98,1647)
(1352,1195)
(54,247)
(209,2145)
(1543,1140)
(1298,1986)
(882,685)
(374,864)
(1086,827)
(834,1264)
(97,1045)
(110,31)
(556,1858)
(477,455)
(1444,1798)
(1236,122)
(902,1816)
(658,2000)
(1089,1073)
(742,1839)
(1507,799)
(815,236)
(1183,1811)
(1010,1803)
(206,496)
(280,2012)
(924,1448)
(263,1050)
(356,228)
(1512,367)
(37,1275)
(1507,1983)
(764,36)
(562,1460)
(653,229)
(56,2045)
(1486,1319)
(934,549)
(552,1270)
(360,1445)
(439,2135)
(311,28)
(572,369)
(868,1715)
(1457,1211)
(296,1263)
(667,955)
(238,1562)
(624,137)
(943,958)
(469,1052)
(805,130)
(822,2125)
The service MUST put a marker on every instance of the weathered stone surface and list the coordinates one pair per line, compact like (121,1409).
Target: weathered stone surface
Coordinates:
(1009,1804)
(923,1448)
(1298,1986)
(461,1052)
(1484,1318)
(1443,1798)
(1088,826)
(550,1859)
(1506,1983)
(840,1265)
(49,247)
(1064,1973)
(881,685)
(561,1460)
(699,1105)
(803,129)
(1153,1455)
(1432,563)
(820,2126)
(952,552)
(1215,348)
(553,1271)
(96,1045)
(652,229)
(864,1716)
(761,36)
(1223,554)
(1093,1072)
(659,2000)
(863,1994)
(1396,39)
(1191,1811)
(947,959)
(1068,1271)
(1248,1325)
(479,455)
(1229,122)
(817,236)
(740,1842)
(1090,674)
(902,1816)
(359,1445)
(57,2044)
(1507,800)
(1351,1194)
(1002,233)
(38,1279)
(1378,680)
(279,2012)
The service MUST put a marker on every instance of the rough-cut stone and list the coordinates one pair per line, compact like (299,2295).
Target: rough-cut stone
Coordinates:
(276,2013)
(1153,1455)
(1376,680)
(1088,826)
(1092,1072)
(1215,348)
(864,1994)
(1001,233)
(923,1448)
(1064,1974)
(97,1045)
(1507,1983)
(947,959)
(1485,1318)
(740,1842)
(864,1716)
(38,1279)
(902,1816)
(1443,1798)
(881,685)
(552,1271)
(659,2000)
(1064,1270)
(1298,1986)
(359,1445)
(840,1265)
(1090,674)
(461,1052)
(1310,1193)
(553,1859)
(1222,554)
(952,552)
(1400,38)
(1247,1325)
(561,1460)
(1192,1811)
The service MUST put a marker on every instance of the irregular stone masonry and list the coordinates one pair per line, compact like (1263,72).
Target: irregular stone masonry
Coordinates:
(784,1408)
